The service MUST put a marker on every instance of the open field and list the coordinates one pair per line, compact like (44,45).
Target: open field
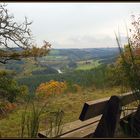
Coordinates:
(87,65)
(70,103)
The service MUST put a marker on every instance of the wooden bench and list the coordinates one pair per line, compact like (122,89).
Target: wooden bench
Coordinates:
(98,118)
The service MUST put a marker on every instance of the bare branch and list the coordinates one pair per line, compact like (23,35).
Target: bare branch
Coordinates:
(19,35)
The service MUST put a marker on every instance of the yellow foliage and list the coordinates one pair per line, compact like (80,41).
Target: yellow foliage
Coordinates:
(52,87)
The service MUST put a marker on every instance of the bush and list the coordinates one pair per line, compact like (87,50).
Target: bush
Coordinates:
(6,107)
(51,88)
(9,88)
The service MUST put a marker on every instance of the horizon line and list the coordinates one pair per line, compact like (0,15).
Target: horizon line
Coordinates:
(86,48)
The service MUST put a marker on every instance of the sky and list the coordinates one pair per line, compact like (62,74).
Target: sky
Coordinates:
(76,25)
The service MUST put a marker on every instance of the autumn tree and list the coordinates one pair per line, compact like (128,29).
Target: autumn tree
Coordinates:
(129,60)
(14,35)
(16,42)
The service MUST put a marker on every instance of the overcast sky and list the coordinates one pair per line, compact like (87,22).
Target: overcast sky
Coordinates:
(76,25)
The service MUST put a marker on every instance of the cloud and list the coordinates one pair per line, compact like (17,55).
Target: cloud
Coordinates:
(75,24)
(88,42)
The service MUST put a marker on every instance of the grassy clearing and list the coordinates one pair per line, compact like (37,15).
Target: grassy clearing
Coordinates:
(55,58)
(82,65)
(70,103)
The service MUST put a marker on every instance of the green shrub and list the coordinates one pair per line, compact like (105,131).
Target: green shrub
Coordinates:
(9,88)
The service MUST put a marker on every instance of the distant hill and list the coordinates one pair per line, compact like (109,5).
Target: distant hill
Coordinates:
(86,53)
(62,59)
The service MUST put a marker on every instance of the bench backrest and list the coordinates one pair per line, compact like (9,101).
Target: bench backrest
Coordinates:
(94,108)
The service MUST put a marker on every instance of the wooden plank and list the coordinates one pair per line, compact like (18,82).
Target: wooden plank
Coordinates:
(95,108)
(87,131)
(128,98)
(81,129)
(81,133)
(73,126)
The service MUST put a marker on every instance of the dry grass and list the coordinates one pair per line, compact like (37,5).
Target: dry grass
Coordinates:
(70,103)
